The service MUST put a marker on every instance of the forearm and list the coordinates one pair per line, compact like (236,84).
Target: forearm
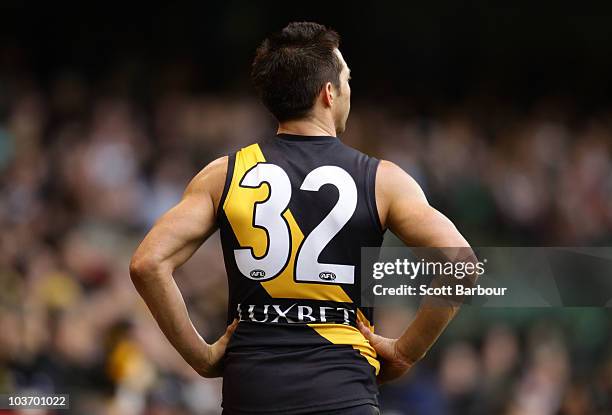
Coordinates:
(164,299)
(428,324)
(436,312)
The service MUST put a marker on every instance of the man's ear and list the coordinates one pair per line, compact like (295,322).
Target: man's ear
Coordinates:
(328,94)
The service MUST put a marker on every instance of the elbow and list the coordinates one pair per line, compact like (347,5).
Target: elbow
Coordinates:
(143,267)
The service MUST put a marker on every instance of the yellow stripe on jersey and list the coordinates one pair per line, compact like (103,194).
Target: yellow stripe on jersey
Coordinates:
(239,202)
(349,335)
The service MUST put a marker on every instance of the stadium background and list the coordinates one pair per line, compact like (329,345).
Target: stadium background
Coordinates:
(106,110)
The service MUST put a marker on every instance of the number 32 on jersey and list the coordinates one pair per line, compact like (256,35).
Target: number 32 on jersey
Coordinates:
(268,216)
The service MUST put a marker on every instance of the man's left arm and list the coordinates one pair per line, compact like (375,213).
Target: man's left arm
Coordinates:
(404,209)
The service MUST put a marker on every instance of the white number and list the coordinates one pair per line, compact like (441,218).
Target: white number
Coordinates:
(268,216)
(308,267)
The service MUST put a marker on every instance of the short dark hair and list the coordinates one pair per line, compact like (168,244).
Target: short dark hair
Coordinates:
(291,67)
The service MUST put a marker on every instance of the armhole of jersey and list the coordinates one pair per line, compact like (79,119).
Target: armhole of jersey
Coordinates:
(231,160)
(371,192)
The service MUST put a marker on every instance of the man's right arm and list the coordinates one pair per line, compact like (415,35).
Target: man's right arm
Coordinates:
(173,240)
(404,209)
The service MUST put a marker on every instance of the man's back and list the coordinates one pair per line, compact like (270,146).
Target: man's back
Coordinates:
(294,213)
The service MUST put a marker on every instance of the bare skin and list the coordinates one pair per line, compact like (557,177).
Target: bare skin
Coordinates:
(174,238)
(403,208)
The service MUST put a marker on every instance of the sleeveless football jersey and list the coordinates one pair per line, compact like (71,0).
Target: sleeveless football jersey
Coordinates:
(294,215)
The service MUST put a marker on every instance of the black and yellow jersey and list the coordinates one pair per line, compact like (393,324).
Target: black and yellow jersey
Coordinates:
(294,214)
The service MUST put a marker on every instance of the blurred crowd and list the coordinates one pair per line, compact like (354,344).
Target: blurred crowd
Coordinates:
(84,175)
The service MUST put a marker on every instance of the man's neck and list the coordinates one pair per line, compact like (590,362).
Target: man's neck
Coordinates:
(310,127)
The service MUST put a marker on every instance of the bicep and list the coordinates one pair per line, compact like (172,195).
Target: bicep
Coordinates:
(408,214)
(421,225)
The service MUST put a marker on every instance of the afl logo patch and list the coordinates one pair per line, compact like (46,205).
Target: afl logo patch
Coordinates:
(258,273)
(327,276)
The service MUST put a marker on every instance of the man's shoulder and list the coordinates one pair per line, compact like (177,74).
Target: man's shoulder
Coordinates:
(211,179)
(392,177)
(213,171)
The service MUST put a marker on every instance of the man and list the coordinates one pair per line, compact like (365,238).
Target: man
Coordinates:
(294,210)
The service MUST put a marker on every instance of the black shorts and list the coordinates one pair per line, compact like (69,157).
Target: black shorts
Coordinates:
(280,380)
(367,409)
